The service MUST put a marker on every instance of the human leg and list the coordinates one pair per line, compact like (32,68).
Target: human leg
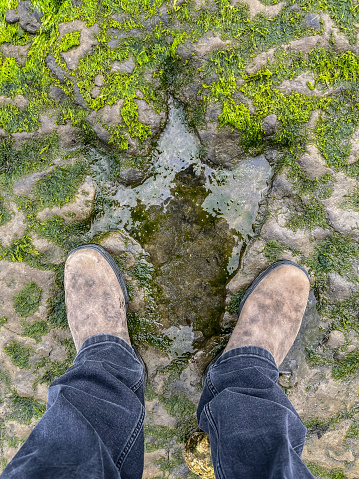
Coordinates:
(254,430)
(93,426)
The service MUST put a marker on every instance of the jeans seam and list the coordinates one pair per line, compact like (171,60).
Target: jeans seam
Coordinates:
(130,442)
(137,385)
(209,415)
(210,384)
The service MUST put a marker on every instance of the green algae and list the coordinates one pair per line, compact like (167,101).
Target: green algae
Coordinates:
(24,409)
(19,354)
(320,472)
(70,40)
(59,186)
(347,367)
(28,300)
(334,254)
(235,302)
(36,330)
(35,155)
(312,216)
(272,250)
(3,321)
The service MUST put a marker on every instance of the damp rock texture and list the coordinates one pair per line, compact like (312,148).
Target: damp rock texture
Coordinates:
(198,142)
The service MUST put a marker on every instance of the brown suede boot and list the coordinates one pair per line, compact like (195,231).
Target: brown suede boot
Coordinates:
(272,309)
(95,294)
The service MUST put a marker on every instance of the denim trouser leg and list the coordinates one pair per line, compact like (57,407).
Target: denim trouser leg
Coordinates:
(93,426)
(254,430)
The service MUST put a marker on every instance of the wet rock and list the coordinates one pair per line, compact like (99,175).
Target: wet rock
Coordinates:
(25,184)
(78,210)
(87,41)
(148,116)
(95,92)
(30,17)
(343,219)
(270,125)
(354,151)
(21,102)
(222,145)
(99,80)
(53,253)
(253,263)
(123,67)
(260,61)
(56,69)
(19,52)
(312,20)
(57,94)
(331,449)
(132,176)
(11,16)
(256,7)
(335,339)
(203,47)
(339,288)
(68,135)
(300,85)
(13,229)
(79,99)
(305,45)
(313,163)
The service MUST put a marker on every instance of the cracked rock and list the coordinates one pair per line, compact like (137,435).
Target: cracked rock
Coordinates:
(29,17)
(11,16)
(312,20)
(270,124)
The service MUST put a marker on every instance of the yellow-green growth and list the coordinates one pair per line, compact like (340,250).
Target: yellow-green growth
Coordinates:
(60,186)
(19,354)
(27,301)
(70,40)
(24,409)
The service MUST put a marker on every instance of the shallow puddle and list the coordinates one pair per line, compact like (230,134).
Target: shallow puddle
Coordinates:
(193,220)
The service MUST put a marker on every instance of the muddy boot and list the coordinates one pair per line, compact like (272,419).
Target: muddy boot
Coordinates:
(95,294)
(272,309)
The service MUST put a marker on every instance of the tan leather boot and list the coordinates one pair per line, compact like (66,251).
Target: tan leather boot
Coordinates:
(95,294)
(272,309)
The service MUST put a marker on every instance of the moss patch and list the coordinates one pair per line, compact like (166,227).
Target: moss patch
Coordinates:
(59,186)
(322,473)
(19,354)
(24,409)
(27,302)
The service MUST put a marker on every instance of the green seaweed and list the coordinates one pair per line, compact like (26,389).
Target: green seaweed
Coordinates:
(36,330)
(273,250)
(322,473)
(235,302)
(19,354)
(24,409)
(28,300)
(59,186)
(70,40)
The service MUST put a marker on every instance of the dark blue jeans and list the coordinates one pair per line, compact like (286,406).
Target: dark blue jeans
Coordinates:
(93,426)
